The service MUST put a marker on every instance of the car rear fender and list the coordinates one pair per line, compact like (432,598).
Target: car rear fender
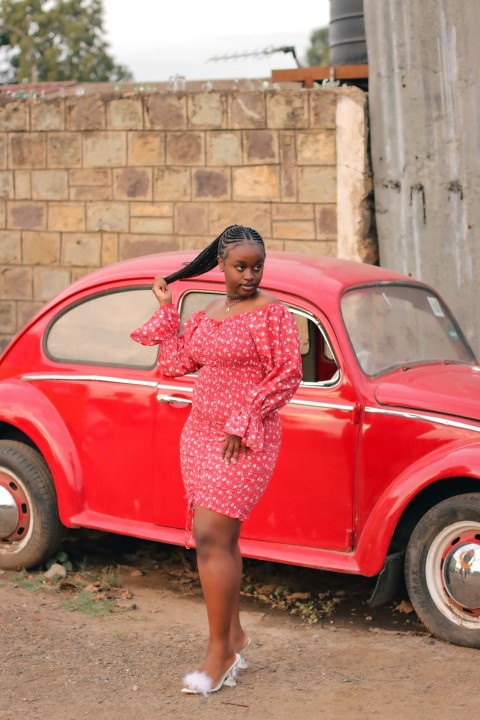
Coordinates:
(26,409)
(459,459)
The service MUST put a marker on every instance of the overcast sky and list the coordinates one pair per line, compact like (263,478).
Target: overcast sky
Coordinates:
(160,38)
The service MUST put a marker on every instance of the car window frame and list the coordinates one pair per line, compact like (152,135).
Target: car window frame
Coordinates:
(337,377)
(294,309)
(400,283)
(91,363)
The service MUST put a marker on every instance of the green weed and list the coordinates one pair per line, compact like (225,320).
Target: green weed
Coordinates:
(29,582)
(89,604)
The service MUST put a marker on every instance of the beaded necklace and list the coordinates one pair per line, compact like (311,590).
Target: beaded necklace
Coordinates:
(236,299)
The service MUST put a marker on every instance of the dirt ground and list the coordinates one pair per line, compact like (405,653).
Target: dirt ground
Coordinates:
(123,653)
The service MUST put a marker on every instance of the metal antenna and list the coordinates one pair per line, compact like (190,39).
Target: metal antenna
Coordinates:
(258,53)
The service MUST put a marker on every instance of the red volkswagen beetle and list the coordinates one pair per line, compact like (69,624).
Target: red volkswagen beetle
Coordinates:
(379,470)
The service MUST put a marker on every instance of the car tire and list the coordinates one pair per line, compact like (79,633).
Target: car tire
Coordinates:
(29,522)
(443,581)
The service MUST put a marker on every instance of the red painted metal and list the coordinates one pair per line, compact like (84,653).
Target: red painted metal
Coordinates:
(354,454)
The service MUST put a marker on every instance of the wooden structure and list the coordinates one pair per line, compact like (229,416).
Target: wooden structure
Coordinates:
(317,73)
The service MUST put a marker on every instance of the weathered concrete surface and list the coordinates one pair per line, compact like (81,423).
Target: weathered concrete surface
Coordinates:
(356,234)
(424,95)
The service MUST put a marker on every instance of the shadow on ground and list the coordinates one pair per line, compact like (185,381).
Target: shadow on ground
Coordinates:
(312,596)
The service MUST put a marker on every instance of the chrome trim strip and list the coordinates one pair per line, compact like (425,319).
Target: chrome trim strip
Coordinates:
(164,387)
(110,379)
(421,416)
(335,380)
(175,388)
(325,405)
(96,378)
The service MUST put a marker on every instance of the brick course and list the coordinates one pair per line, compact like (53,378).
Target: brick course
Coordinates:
(87,181)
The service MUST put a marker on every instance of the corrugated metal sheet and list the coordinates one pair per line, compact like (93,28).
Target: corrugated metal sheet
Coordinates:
(424,97)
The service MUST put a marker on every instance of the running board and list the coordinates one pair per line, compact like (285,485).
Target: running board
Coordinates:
(311,557)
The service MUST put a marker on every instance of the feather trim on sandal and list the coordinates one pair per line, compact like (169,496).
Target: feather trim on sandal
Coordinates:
(199,683)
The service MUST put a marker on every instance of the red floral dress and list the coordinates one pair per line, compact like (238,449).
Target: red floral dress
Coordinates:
(249,366)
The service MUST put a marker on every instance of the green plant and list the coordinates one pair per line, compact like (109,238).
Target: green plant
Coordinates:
(88,603)
(28,581)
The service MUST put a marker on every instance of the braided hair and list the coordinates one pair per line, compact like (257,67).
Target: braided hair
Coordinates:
(208,258)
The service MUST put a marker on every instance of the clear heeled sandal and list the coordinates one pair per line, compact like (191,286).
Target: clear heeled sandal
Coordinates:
(242,663)
(199,683)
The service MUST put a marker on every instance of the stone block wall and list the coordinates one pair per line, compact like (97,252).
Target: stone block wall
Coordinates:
(86,181)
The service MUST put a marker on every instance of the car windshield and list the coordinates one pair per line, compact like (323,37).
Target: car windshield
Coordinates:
(393,325)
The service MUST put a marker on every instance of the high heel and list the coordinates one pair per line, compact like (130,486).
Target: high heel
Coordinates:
(242,663)
(199,683)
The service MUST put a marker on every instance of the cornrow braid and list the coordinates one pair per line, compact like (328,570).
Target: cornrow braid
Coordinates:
(208,258)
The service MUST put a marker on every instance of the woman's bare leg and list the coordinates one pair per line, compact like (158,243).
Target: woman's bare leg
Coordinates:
(219,567)
(238,637)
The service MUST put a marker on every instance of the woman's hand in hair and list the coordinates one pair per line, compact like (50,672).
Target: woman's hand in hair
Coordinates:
(161,291)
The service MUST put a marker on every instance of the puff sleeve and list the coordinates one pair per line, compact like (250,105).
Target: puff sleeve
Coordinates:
(277,343)
(163,329)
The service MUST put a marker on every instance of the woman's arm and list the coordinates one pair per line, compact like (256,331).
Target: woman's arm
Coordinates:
(278,347)
(163,329)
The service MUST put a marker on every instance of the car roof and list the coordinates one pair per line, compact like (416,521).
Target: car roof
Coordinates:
(300,274)
(318,279)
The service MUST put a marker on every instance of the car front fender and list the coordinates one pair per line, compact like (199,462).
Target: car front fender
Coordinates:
(25,408)
(459,459)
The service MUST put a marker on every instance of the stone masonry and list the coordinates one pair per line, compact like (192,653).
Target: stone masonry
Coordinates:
(87,181)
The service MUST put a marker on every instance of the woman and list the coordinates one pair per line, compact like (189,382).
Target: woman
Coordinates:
(246,348)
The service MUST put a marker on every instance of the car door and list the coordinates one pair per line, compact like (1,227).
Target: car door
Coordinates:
(310,498)
(104,387)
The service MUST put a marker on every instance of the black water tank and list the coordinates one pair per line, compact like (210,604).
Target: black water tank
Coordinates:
(347,33)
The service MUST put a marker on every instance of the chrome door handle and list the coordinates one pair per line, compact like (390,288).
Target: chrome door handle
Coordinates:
(170,398)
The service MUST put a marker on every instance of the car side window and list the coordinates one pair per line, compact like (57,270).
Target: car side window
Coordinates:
(318,361)
(192,302)
(96,330)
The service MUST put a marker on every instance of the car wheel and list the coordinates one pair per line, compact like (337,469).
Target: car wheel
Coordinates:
(30,529)
(442,570)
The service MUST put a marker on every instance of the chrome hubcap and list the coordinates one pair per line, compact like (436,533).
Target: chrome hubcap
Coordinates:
(461,572)
(8,513)
(452,573)
(14,511)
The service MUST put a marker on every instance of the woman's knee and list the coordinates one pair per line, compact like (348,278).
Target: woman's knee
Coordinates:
(214,532)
